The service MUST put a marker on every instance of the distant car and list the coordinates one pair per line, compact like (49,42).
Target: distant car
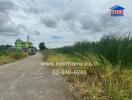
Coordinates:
(32,51)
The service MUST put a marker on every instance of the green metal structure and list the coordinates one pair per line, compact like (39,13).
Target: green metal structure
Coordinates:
(23,44)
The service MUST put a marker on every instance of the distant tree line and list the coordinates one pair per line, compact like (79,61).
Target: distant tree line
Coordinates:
(4,47)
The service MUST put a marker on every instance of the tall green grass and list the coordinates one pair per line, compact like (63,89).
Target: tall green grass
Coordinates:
(107,81)
(8,54)
(102,82)
(116,49)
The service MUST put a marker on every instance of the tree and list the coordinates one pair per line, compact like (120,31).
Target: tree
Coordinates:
(42,46)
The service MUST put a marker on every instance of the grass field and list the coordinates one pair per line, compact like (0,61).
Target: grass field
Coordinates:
(8,55)
(110,79)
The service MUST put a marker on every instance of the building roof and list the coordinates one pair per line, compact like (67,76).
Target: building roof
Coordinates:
(117,7)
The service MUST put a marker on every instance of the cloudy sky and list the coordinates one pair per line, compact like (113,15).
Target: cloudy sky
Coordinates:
(61,22)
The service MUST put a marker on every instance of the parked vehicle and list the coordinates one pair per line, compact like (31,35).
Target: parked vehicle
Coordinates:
(32,51)
(26,46)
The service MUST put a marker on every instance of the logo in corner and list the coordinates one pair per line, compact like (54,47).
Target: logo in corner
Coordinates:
(117,11)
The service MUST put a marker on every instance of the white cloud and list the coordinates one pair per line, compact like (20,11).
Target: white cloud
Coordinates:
(72,20)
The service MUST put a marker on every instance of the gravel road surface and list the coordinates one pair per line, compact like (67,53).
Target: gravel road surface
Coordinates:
(27,80)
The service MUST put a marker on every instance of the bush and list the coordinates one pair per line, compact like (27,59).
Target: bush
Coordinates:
(5,59)
(8,54)
(17,54)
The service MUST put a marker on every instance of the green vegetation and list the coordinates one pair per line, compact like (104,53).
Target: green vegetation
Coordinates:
(42,46)
(8,54)
(117,50)
(110,79)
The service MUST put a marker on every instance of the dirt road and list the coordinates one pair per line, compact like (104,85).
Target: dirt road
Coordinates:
(28,80)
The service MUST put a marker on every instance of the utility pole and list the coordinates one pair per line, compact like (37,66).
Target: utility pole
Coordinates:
(28,38)
(28,44)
